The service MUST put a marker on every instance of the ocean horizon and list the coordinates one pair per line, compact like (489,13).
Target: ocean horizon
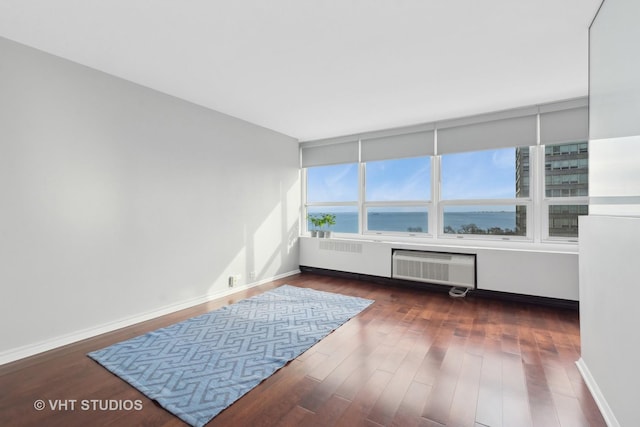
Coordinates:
(347,222)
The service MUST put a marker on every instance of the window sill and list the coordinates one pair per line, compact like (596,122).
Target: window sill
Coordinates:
(469,243)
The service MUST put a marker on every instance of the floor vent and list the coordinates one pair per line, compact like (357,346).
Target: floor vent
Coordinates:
(435,267)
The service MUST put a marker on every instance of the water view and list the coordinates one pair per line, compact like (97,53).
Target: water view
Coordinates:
(489,222)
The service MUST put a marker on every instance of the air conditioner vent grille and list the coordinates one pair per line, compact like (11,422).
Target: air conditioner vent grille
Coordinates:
(421,269)
(338,246)
(434,267)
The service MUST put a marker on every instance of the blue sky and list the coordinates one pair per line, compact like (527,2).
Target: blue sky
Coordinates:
(486,174)
(403,179)
(336,183)
(475,175)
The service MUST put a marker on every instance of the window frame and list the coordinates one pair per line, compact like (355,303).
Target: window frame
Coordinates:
(396,203)
(515,201)
(548,201)
(306,205)
(487,202)
(557,123)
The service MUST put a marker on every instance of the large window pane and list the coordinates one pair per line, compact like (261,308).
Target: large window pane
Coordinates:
(563,219)
(566,170)
(504,220)
(346,218)
(399,179)
(414,219)
(489,174)
(335,183)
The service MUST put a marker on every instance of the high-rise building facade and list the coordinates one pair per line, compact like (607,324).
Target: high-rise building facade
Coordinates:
(566,186)
(566,176)
(522,186)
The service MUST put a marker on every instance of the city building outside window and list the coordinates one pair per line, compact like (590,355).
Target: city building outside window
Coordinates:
(566,187)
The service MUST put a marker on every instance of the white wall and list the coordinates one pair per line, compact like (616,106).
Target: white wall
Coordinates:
(118,201)
(614,125)
(609,295)
(547,273)
(610,235)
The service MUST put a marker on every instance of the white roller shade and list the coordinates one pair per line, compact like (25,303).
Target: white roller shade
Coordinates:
(503,133)
(398,146)
(321,155)
(570,125)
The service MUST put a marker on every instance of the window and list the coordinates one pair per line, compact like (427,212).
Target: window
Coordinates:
(336,183)
(408,219)
(519,174)
(563,219)
(334,190)
(397,195)
(500,220)
(346,218)
(399,180)
(566,187)
(481,189)
(488,174)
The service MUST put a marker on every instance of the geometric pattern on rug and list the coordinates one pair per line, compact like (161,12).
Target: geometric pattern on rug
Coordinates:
(198,367)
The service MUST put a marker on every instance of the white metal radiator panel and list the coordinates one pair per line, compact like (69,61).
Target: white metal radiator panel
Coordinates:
(434,267)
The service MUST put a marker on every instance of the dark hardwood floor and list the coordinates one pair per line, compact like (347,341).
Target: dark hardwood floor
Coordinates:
(413,358)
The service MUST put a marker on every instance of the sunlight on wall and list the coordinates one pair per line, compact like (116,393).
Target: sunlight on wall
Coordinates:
(294,207)
(614,176)
(235,266)
(614,167)
(267,240)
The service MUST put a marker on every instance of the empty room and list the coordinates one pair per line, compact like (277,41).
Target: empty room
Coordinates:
(331,213)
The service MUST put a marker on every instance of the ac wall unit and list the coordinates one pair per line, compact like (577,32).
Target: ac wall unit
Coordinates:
(435,267)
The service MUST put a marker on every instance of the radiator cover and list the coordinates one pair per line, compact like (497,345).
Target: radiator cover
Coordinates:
(435,267)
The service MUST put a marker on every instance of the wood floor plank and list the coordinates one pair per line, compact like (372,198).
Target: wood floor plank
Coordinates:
(465,399)
(541,402)
(328,386)
(489,407)
(569,411)
(558,380)
(327,414)
(414,358)
(588,404)
(409,413)
(360,375)
(357,412)
(515,401)
(293,418)
(438,406)
(391,398)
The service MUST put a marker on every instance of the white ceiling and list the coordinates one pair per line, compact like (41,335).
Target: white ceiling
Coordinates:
(320,68)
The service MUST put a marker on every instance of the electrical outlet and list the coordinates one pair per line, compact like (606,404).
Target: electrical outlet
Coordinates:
(252,275)
(234,280)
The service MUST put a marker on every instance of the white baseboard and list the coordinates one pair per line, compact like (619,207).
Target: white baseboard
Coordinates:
(14,354)
(604,407)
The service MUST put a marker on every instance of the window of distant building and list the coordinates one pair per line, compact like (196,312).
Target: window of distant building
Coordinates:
(566,188)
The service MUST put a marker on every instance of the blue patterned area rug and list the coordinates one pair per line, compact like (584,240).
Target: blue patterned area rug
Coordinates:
(198,367)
